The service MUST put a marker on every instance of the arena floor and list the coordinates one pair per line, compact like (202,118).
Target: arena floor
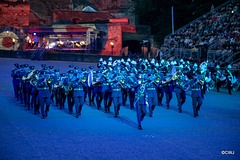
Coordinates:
(99,136)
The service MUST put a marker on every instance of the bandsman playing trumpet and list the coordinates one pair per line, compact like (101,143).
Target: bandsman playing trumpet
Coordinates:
(35,91)
(180,88)
(152,93)
(68,90)
(44,93)
(78,94)
(196,95)
(116,93)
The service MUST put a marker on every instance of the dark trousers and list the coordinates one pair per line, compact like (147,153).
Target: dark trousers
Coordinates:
(16,90)
(78,104)
(131,98)
(28,96)
(62,99)
(124,95)
(44,101)
(229,86)
(141,112)
(117,101)
(85,90)
(181,98)
(107,100)
(168,98)
(99,98)
(70,101)
(160,95)
(218,84)
(91,95)
(35,102)
(23,95)
(196,102)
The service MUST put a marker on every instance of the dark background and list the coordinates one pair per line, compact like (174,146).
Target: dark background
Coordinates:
(157,13)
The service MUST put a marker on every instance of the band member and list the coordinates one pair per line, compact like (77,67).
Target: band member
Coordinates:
(107,92)
(29,86)
(68,90)
(35,101)
(196,95)
(180,89)
(152,94)
(90,86)
(16,80)
(62,91)
(78,94)
(168,89)
(218,77)
(99,88)
(140,100)
(229,77)
(131,81)
(44,94)
(116,94)
(124,90)
(23,75)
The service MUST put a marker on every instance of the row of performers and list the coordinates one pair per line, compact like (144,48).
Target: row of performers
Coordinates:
(37,89)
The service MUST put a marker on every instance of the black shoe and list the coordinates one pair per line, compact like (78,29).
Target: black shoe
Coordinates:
(195,115)
(140,128)
(180,111)
(35,113)
(43,117)
(115,115)
(76,116)
(167,107)
(150,115)
(105,111)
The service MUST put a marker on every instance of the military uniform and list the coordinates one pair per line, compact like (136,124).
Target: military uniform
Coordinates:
(196,95)
(78,95)
(116,94)
(180,91)
(44,94)
(168,89)
(152,94)
(99,88)
(91,94)
(68,91)
(16,80)
(140,101)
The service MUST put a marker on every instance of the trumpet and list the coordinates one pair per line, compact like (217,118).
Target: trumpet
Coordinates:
(49,80)
(68,89)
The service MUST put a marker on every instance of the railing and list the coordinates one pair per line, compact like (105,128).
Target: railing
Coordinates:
(231,58)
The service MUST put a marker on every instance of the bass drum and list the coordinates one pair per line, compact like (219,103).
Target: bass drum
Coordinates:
(211,85)
(235,86)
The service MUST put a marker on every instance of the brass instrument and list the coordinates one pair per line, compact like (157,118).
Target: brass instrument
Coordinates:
(30,74)
(68,89)
(84,79)
(49,80)
(168,79)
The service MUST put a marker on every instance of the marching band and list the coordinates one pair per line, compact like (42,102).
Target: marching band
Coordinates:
(143,82)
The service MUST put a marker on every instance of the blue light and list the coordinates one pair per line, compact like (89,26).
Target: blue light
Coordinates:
(34,34)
